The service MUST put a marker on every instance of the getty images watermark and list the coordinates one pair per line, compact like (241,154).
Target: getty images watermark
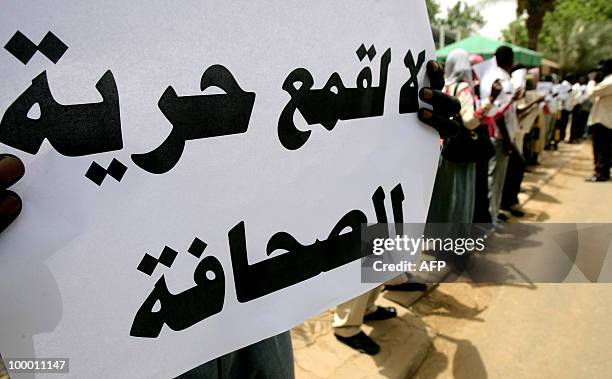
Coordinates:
(411,253)
(519,253)
(410,246)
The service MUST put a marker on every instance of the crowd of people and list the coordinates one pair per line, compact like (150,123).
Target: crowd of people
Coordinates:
(490,129)
(503,125)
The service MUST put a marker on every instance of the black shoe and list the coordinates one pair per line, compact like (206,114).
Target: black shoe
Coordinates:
(596,178)
(381,313)
(502,217)
(360,342)
(407,287)
(515,212)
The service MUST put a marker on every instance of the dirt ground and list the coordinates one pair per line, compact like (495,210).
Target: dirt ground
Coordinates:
(541,331)
(478,331)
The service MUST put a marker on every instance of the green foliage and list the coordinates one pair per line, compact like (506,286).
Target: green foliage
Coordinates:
(579,49)
(577,34)
(536,10)
(433,8)
(463,19)
(534,6)
(516,33)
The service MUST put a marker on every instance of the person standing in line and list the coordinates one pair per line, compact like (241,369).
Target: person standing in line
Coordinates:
(454,194)
(567,105)
(350,315)
(481,197)
(594,78)
(601,125)
(517,164)
(580,113)
(505,125)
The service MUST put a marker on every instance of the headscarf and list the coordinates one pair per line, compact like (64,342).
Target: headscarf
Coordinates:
(475,59)
(458,68)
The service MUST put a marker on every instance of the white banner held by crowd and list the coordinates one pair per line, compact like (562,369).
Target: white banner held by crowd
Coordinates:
(182,158)
(544,88)
(482,68)
(519,79)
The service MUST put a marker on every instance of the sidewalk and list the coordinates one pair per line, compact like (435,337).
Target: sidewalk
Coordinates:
(407,341)
(404,341)
(540,331)
(550,165)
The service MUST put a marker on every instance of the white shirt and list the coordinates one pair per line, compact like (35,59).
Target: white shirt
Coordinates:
(578,93)
(504,98)
(566,96)
(602,103)
(590,87)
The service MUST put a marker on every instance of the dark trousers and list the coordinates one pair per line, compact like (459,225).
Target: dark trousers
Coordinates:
(561,125)
(514,178)
(481,198)
(579,121)
(529,142)
(602,150)
(271,358)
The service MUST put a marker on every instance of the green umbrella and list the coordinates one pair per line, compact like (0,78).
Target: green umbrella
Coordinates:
(486,48)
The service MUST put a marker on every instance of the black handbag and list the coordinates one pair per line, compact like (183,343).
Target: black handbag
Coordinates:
(468,145)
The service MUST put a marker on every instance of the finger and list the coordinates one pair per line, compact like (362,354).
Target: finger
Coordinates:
(11,170)
(441,102)
(10,207)
(445,126)
(435,74)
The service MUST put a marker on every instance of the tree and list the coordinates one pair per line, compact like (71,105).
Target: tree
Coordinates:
(584,46)
(516,33)
(433,9)
(463,19)
(577,34)
(536,10)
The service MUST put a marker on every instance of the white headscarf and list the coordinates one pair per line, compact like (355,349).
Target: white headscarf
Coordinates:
(458,68)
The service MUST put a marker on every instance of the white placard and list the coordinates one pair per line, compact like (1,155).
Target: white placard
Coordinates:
(202,166)
(544,88)
(482,68)
(519,79)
